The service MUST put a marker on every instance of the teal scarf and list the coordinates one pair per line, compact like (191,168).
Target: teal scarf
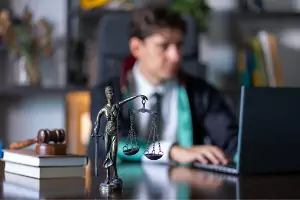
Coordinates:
(185,126)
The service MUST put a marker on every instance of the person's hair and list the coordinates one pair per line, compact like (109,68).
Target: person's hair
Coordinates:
(148,20)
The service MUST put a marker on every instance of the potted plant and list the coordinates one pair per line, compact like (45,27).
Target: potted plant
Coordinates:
(198,9)
(26,39)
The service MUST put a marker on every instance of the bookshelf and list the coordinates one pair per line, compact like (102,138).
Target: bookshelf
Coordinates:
(284,26)
(81,29)
(26,109)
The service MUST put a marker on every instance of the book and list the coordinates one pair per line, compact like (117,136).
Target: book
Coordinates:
(269,65)
(259,74)
(242,67)
(44,172)
(278,73)
(29,157)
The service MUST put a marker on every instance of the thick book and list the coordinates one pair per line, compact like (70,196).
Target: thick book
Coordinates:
(29,157)
(44,172)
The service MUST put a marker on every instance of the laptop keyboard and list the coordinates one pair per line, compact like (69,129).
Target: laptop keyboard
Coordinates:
(230,168)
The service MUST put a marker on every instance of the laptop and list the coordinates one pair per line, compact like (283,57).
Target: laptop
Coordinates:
(269,132)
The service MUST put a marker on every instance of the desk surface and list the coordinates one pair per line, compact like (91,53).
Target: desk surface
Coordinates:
(161,182)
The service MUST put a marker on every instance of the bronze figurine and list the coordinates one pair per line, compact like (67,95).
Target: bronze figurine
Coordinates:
(111,112)
(113,184)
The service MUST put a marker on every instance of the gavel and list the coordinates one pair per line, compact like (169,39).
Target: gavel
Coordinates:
(45,136)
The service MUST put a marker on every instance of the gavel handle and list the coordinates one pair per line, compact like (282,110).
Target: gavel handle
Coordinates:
(22,144)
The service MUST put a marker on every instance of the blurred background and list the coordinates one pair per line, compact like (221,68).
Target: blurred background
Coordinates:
(53,52)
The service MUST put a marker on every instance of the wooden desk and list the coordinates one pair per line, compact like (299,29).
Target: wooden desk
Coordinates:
(161,182)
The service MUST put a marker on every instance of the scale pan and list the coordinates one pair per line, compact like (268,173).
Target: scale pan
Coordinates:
(131,151)
(153,156)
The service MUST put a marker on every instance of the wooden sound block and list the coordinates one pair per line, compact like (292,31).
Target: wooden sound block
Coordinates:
(51,149)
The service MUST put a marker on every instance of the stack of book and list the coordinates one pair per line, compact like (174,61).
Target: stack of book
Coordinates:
(27,163)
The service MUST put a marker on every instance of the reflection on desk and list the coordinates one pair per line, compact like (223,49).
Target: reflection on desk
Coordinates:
(183,183)
(150,181)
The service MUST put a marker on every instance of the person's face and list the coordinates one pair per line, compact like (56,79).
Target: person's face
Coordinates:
(109,94)
(159,54)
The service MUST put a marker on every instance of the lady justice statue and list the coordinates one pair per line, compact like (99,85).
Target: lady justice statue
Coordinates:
(111,112)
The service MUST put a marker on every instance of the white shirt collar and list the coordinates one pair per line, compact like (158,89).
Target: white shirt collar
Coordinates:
(144,87)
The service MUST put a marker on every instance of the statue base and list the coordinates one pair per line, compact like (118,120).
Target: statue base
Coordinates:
(113,189)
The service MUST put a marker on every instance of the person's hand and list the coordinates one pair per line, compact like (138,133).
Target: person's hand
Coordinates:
(203,153)
(196,178)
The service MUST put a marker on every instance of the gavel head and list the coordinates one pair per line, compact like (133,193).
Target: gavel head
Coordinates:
(55,136)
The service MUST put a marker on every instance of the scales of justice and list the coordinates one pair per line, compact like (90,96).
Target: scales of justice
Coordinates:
(111,112)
